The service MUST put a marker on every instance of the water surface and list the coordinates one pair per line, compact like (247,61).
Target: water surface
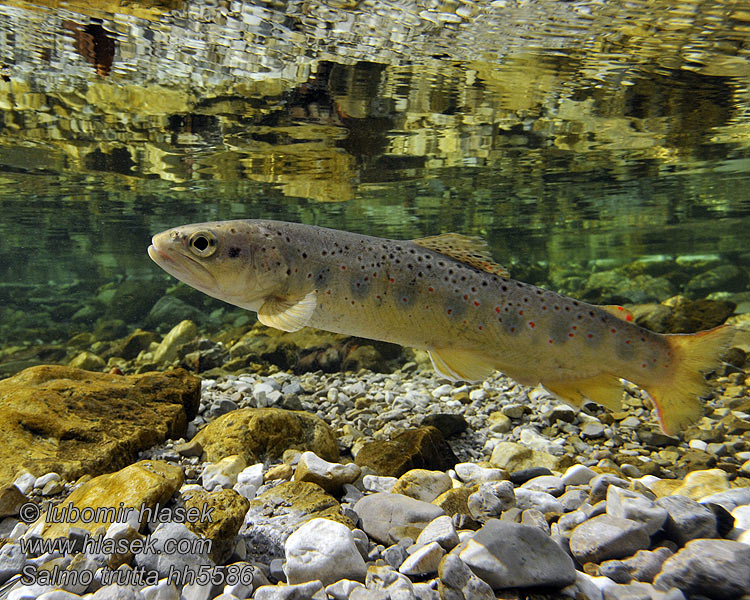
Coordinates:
(573,136)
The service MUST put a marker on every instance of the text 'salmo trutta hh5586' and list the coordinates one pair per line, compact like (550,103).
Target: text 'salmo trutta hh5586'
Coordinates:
(445,295)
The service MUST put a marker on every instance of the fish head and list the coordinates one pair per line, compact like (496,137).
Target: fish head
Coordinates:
(234,261)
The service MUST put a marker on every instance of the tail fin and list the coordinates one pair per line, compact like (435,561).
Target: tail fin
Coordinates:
(677,398)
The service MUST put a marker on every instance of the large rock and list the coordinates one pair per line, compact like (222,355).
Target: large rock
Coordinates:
(324,550)
(76,422)
(687,519)
(140,486)
(420,448)
(386,517)
(511,555)
(605,537)
(716,569)
(273,516)
(259,434)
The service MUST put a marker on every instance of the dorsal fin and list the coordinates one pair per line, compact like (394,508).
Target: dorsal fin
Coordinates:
(470,250)
(618,311)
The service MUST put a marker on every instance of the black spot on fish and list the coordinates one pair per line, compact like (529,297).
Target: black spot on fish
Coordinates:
(234,252)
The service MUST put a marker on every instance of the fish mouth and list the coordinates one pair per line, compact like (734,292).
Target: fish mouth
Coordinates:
(184,267)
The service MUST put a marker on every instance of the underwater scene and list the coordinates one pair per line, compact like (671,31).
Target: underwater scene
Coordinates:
(465,314)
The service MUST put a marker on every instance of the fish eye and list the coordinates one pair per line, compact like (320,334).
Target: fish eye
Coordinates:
(202,243)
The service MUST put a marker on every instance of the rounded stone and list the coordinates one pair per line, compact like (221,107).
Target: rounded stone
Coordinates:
(606,537)
(323,550)
(511,555)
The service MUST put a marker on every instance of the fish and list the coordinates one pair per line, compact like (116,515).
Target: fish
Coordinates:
(446,295)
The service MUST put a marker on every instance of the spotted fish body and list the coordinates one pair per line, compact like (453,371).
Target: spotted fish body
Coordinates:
(444,295)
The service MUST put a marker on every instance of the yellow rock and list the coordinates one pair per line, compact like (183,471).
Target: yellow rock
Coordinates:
(512,456)
(227,510)
(77,422)
(282,471)
(455,500)
(423,484)
(264,433)
(700,484)
(103,499)
(664,487)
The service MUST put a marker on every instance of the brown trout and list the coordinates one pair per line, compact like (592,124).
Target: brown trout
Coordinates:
(443,294)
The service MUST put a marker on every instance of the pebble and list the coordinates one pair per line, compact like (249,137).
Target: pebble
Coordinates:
(509,555)
(222,474)
(458,581)
(472,474)
(330,476)
(491,499)
(378,483)
(324,550)
(422,484)
(578,475)
(549,484)
(440,530)
(542,501)
(311,590)
(423,561)
(625,504)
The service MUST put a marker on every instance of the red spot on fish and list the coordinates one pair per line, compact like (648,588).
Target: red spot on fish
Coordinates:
(427,307)
(613,330)
(430,289)
(480,327)
(643,365)
(512,329)
(629,318)
(392,280)
(328,292)
(374,275)
(532,324)
(590,335)
(476,303)
(343,267)
(550,341)
(366,278)
(520,312)
(544,308)
(450,310)
(405,299)
(571,335)
(497,309)
(575,327)
(466,297)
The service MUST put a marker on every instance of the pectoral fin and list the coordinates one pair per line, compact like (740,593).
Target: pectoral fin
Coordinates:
(288,314)
(604,389)
(461,364)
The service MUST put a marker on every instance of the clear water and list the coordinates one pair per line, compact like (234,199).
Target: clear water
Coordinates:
(572,135)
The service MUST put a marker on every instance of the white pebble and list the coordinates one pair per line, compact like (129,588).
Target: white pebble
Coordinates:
(442,390)
(578,475)
(698,445)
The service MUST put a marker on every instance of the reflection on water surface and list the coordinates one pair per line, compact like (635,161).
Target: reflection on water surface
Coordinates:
(571,135)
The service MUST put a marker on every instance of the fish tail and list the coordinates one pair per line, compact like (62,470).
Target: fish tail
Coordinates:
(677,397)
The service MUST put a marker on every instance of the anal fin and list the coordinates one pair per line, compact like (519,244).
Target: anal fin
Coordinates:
(604,389)
(288,314)
(461,364)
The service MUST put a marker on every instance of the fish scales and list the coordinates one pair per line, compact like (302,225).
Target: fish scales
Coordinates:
(443,296)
